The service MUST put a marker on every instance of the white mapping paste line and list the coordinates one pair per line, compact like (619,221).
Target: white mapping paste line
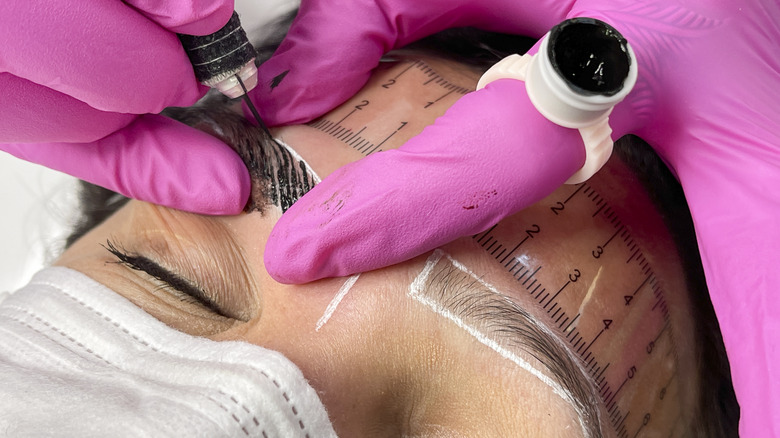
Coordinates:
(492,289)
(414,292)
(476,277)
(415,289)
(335,301)
(493,345)
(298,157)
(589,295)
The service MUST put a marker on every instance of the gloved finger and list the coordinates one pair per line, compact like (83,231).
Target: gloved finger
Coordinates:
(332,46)
(489,156)
(736,210)
(191,17)
(30,113)
(101,52)
(154,159)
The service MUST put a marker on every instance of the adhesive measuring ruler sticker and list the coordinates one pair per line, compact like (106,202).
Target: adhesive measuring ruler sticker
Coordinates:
(362,124)
(609,266)
(588,261)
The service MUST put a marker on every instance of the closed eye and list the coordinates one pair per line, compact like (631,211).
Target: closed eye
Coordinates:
(188,291)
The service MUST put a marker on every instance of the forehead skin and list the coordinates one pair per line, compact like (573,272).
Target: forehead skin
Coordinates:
(384,364)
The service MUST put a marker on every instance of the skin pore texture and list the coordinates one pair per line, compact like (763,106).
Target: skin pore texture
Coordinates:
(434,346)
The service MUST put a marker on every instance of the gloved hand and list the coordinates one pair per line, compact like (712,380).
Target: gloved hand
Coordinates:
(75,75)
(706,99)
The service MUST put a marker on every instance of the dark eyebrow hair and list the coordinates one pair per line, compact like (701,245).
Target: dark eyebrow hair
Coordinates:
(469,299)
(278,178)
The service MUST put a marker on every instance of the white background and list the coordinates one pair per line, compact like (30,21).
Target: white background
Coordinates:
(36,203)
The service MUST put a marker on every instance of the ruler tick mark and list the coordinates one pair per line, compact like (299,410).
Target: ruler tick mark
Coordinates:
(347,116)
(532,274)
(572,322)
(486,233)
(640,286)
(575,192)
(613,236)
(618,390)
(406,69)
(360,132)
(594,340)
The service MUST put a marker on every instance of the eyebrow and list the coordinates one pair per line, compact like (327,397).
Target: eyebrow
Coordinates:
(278,177)
(475,303)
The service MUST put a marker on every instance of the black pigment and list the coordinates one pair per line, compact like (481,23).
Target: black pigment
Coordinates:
(590,55)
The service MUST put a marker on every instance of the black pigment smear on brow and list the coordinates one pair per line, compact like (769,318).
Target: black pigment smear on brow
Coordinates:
(288,177)
(154,270)
(278,178)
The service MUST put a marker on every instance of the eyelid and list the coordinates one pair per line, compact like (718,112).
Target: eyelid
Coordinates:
(202,249)
(155,270)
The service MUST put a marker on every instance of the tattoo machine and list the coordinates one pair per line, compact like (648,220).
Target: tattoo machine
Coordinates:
(224,60)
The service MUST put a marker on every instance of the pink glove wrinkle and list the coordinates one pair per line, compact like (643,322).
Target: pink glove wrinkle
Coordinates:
(705,99)
(77,74)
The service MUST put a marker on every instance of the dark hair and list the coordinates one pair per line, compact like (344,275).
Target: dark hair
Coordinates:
(718,414)
(718,411)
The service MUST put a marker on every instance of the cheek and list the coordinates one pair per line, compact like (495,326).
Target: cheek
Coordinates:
(354,358)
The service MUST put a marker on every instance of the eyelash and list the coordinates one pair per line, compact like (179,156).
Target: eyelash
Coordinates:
(185,290)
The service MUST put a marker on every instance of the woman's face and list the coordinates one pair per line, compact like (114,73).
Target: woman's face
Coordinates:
(569,313)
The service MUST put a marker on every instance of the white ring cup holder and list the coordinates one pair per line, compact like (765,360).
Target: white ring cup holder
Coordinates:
(583,68)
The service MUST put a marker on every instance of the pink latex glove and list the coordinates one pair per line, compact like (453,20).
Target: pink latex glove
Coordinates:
(76,75)
(706,99)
